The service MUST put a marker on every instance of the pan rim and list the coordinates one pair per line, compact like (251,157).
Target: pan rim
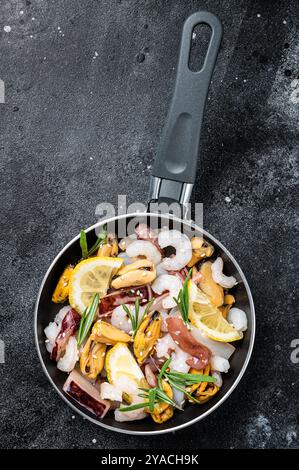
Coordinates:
(230,390)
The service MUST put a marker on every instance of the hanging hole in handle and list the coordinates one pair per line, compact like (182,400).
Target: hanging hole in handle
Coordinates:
(200,40)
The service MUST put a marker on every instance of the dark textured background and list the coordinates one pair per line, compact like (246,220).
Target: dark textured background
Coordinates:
(88,85)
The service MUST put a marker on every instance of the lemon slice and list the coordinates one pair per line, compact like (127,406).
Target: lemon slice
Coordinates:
(91,276)
(204,315)
(123,370)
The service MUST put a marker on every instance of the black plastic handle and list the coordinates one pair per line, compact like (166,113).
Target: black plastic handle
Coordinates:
(178,150)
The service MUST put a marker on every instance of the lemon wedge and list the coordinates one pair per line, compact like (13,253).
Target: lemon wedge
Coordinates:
(204,315)
(91,276)
(123,370)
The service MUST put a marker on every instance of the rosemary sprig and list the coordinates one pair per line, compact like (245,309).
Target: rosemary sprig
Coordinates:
(137,406)
(101,240)
(180,380)
(152,396)
(83,244)
(182,300)
(134,316)
(189,379)
(87,319)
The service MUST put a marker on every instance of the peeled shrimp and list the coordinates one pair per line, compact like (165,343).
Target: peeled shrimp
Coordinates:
(164,345)
(225,281)
(169,283)
(179,357)
(183,248)
(164,314)
(125,242)
(110,392)
(52,330)
(126,385)
(219,364)
(178,396)
(218,377)
(144,248)
(133,415)
(70,357)
(120,320)
(178,362)
(160,270)
(238,318)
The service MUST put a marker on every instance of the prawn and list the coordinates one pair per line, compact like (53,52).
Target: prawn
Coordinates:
(144,248)
(120,320)
(70,357)
(183,248)
(172,284)
(225,281)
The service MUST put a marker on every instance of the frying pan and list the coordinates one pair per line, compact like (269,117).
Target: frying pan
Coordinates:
(172,180)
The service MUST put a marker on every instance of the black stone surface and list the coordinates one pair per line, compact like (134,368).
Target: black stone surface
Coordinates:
(88,84)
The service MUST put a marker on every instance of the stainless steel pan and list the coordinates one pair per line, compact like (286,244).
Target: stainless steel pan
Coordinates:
(173,178)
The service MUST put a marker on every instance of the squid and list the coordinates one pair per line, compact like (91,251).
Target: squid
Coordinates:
(184,339)
(86,394)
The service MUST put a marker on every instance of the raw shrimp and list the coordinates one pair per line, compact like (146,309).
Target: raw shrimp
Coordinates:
(178,396)
(128,386)
(70,357)
(144,248)
(178,362)
(160,270)
(218,377)
(238,318)
(225,281)
(120,320)
(125,242)
(52,330)
(164,315)
(169,283)
(219,364)
(110,392)
(134,415)
(164,345)
(183,248)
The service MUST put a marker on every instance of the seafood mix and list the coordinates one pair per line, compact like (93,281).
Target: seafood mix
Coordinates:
(149,324)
